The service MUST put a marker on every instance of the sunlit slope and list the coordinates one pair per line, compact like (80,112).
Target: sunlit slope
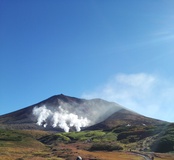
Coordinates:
(127,118)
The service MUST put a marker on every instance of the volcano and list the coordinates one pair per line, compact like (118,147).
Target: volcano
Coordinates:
(60,110)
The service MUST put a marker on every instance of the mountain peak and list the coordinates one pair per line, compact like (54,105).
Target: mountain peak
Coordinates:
(61,111)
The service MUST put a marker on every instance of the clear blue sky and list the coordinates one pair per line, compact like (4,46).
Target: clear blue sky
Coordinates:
(92,48)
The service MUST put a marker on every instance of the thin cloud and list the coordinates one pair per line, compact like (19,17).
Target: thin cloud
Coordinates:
(144,93)
(155,38)
(162,37)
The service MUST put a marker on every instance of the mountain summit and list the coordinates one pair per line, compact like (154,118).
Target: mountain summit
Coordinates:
(61,112)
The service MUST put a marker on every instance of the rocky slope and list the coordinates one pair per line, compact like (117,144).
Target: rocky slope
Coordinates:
(100,113)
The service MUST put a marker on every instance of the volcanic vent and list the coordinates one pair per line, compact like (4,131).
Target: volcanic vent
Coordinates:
(60,112)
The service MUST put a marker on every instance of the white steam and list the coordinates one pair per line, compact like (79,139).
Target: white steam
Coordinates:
(59,118)
(147,94)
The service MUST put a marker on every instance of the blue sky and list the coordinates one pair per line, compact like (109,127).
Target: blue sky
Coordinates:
(121,51)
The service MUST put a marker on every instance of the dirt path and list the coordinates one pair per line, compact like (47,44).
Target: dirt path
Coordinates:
(146,157)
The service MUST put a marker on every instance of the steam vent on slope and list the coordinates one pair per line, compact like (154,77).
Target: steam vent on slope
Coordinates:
(65,113)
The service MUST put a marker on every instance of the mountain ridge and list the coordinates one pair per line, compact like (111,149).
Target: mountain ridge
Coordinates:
(101,114)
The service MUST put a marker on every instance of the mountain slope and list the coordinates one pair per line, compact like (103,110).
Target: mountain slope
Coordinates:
(65,112)
(96,110)
(125,117)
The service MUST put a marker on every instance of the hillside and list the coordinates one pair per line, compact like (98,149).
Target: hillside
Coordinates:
(128,118)
(111,128)
(67,113)
(98,144)
(95,110)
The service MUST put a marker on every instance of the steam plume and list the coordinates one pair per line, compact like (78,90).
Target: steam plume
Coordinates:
(59,118)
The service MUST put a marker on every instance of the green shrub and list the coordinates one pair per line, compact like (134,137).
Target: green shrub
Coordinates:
(106,147)
(84,135)
(61,137)
(134,136)
(164,144)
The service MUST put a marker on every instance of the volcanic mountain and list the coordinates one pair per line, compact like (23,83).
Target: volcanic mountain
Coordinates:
(69,113)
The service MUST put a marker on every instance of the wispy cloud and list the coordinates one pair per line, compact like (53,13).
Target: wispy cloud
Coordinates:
(162,36)
(147,94)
